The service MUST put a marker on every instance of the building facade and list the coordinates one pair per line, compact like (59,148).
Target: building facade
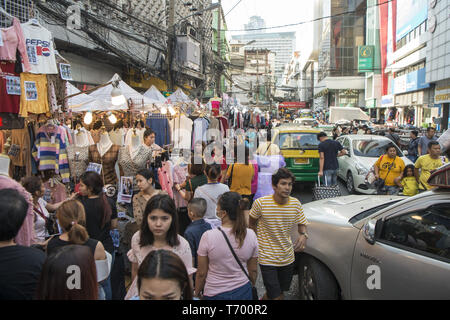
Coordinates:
(281,43)
(338,81)
(438,58)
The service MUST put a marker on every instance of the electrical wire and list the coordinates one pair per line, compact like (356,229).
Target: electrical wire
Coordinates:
(233,7)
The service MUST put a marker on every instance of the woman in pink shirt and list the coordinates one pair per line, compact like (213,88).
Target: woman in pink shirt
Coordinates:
(159,230)
(219,276)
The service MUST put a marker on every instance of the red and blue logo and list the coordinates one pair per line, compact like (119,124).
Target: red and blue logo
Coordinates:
(46,52)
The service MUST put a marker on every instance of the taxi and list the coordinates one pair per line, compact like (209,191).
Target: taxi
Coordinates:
(300,148)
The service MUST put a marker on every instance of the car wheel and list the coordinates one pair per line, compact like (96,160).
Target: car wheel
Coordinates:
(315,281)
(350,183)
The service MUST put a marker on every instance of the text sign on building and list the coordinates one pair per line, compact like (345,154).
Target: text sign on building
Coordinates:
(410,82)
(300,105)
(365,58)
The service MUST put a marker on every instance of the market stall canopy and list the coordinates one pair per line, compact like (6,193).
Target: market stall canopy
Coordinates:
(347,113)
(82,102)
(179,96)
(104,94)
(155,95)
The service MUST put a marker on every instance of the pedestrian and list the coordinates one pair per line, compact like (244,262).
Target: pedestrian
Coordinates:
(413,146)
(101,217)
(369,131)
(329,151)
(427,163)
(159,230)
(267,165)
(425,140)
(163,276)
(393,136)
(20,266)
(266,147)
(193,234)
(145,182)
(211,193)
(219,275)
(355,130)
(387,168)
(272,218)
(336,132)
(197,178)
(41,208)
(241,174)
(57,281)
(407,182)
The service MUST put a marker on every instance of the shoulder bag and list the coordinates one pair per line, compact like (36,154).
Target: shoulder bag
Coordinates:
(50,222)
(380,183)
(230,179)
(254,290)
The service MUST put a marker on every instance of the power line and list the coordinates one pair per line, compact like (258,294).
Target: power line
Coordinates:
(310,21)
(233,7)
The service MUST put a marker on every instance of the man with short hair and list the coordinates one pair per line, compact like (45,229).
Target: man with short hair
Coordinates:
(20,267)
(272,218)
(425,140)
(393,136)
(329,151)
(413,146)
(427,163)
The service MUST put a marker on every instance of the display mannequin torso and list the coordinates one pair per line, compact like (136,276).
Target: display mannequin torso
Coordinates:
(135,145)
(81,138)
(104,144)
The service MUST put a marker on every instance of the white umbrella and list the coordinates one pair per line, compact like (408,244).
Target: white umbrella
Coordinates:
(155,95)
(82,102)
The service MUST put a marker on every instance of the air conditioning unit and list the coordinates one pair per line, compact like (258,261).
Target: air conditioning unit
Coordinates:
(188,52)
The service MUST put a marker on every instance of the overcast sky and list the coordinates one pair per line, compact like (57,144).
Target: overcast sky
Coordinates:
(274,12)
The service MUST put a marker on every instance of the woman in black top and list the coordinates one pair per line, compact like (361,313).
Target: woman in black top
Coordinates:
(72,219)
(101,215)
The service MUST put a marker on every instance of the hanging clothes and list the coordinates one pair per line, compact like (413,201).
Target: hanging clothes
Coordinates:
(50,151)
(56,190)
(181,128)
(166,178)
(180,172)
(78,161)
(132,164)
(201,126)
(214,132)
(40,49)
(160,125)
(223,124)
(108,162)
(21,161)
(34,98)
(10,88)
(13,41)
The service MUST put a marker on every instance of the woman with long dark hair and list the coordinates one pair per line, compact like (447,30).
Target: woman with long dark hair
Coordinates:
(159,230)
(241,173)
(219,276)
(163,276)
(69,274)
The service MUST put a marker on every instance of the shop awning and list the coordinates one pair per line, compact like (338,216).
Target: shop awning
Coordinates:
(84,102)
(155,95)
(178,96)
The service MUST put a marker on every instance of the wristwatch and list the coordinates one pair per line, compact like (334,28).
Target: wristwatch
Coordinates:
(304,234)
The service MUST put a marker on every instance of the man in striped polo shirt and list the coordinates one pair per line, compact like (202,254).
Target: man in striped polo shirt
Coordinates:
(272,218)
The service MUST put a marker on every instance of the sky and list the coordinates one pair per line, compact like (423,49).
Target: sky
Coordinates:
(274,12)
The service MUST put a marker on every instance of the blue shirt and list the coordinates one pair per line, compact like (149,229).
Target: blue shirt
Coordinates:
(193,235)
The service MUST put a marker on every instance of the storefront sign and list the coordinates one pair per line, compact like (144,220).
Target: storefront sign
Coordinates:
(372,103)
(365,58)
(442,93)
(300,105)
(412,81)
(387,101)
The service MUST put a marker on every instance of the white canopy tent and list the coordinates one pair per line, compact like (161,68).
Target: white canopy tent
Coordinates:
(347,113)
(83,102)
(104,94)
(154,95)
(178,96)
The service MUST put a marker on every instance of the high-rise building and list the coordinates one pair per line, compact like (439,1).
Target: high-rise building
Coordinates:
(280,43)
(255,22)
(339,83)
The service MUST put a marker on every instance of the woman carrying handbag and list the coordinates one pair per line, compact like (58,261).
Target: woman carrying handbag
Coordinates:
(221,274)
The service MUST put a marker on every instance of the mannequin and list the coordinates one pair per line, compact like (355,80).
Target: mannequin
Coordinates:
(81,138)
(135,145)
(104,144)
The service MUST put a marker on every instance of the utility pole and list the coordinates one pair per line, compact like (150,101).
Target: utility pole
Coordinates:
(170,45)
(257,77)
(219,50)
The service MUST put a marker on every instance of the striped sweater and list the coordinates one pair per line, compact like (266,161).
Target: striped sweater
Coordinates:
(52,156)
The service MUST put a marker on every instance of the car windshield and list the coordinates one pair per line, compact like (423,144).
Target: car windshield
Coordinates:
(299,140)
(371,211)
(372,148)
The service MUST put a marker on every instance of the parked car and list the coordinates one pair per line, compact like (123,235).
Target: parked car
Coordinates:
(377,247)
(307,122)
(300,149)
(363,152)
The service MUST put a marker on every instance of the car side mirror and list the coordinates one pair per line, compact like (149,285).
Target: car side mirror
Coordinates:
(369,231)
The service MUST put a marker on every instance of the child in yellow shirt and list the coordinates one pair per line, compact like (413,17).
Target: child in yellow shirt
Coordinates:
(407,181)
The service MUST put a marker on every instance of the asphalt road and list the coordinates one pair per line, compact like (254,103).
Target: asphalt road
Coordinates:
(303,192)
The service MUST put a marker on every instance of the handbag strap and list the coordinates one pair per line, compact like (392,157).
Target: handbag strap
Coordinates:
(39,212)
(234,254)
(231,175)
(270,143)
(390,167)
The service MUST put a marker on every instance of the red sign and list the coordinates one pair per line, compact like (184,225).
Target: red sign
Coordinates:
(293,105)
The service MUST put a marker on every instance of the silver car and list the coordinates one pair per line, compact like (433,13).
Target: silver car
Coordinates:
(363,153)
(377,247)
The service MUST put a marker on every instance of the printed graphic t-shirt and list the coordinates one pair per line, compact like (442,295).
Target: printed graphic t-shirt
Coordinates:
(40,50)
(9,82)
(384,162)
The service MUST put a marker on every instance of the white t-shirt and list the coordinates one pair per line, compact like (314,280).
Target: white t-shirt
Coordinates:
(211,192)
(39,224)
(41,53)
(181,129)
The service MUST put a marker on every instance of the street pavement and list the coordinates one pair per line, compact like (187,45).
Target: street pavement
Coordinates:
(303,192)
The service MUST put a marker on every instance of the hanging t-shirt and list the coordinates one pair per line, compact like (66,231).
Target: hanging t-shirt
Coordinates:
(11,40)
(34,98)
(9,88)
(41,53)
(181,129)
